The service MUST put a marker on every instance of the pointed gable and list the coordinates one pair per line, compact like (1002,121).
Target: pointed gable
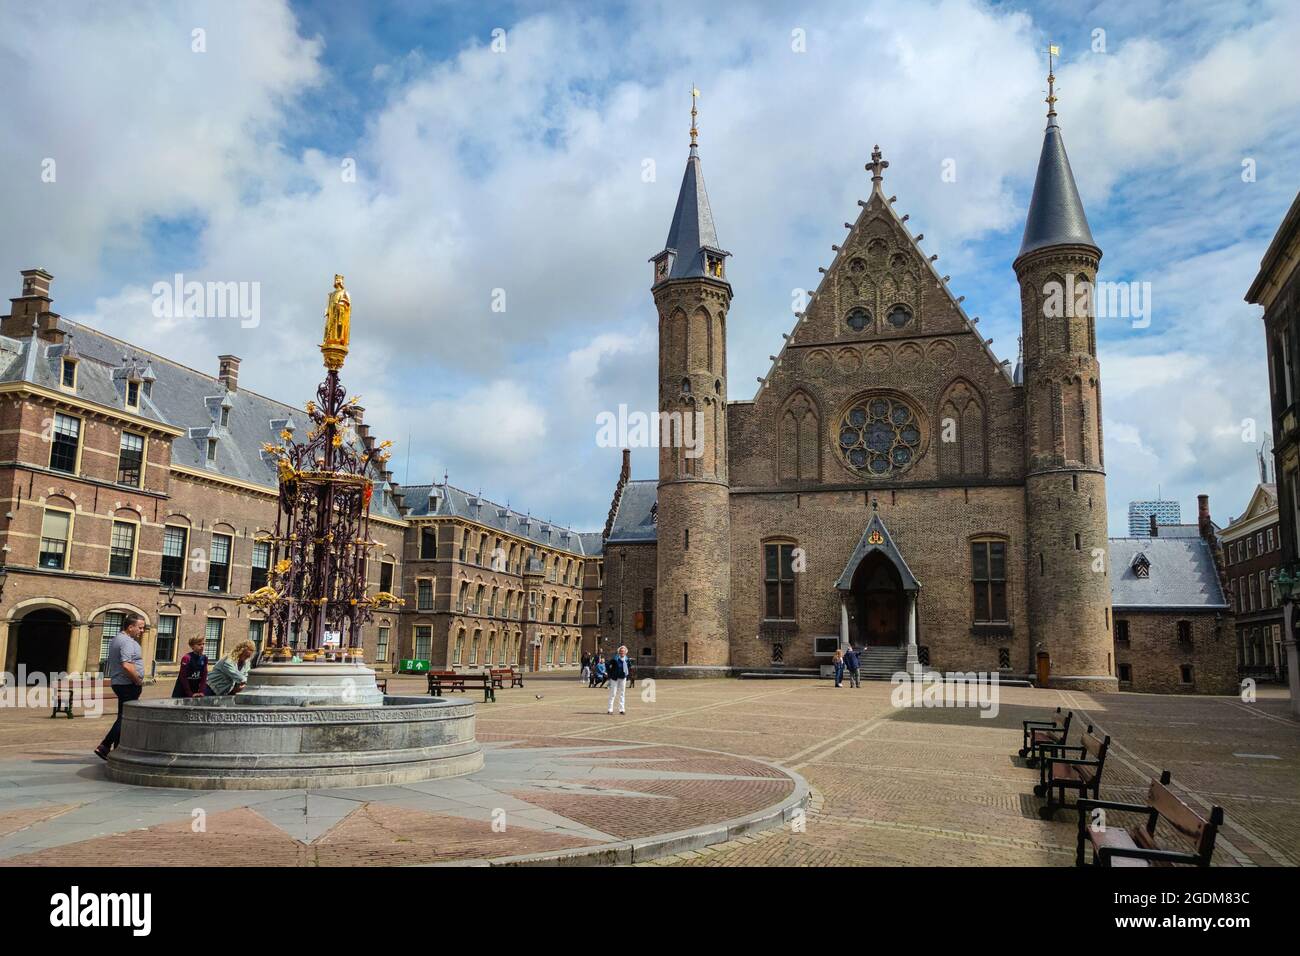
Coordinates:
(876,538)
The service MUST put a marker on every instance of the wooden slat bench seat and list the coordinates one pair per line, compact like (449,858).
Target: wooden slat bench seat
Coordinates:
(453,681)
(1059,772)
(1137,845)
(1040,732)
(503,674)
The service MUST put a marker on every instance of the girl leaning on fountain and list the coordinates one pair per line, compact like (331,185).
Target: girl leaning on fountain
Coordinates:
(230,674)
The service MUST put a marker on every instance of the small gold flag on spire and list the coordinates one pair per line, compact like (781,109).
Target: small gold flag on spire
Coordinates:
(1055,50)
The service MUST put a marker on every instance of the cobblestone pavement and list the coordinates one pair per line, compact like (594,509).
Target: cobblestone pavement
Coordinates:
(890,786)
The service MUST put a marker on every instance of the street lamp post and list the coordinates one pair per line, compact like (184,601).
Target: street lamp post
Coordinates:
(1286,584)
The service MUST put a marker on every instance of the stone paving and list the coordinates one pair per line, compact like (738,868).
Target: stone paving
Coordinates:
(889,786)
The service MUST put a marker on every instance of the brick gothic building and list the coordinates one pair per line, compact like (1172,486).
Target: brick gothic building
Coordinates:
(1252,546)
(132,483)
(892,484)
(1173,618)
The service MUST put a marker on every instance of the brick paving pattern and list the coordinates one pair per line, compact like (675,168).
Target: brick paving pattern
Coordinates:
(890,787)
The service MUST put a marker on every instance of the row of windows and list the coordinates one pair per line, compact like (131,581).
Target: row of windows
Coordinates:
(499,559)
(65,451)
(1185,674)
(166,646)
(988,581)
(1253,545)
(501,602)
(134,387)
(1255,646)
(1254,592)
(1183,630)
(56,536)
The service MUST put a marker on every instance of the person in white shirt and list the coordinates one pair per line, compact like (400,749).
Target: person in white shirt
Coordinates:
(618,668)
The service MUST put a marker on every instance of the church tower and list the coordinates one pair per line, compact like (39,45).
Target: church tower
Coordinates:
(691,293)
(1065,484)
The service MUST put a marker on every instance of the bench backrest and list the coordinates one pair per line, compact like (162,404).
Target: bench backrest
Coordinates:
(1164,803)
(1095,747)
(1065,727)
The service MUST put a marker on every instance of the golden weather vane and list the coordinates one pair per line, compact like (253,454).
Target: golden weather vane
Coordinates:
(694,131)
(1052,51)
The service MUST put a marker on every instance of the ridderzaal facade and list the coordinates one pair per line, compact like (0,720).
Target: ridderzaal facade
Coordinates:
(892,486)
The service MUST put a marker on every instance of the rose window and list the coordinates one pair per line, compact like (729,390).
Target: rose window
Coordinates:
(880,436)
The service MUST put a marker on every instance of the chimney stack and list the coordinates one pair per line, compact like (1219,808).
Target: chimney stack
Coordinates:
(228,372)
(1203,523)
(32,308)
(1155,527)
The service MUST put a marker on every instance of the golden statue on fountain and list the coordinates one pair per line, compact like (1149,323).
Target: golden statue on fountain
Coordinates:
(338,322)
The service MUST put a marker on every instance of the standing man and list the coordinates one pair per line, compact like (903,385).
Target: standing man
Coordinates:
(851,662)
(125,675)
(618,671)
(585,673)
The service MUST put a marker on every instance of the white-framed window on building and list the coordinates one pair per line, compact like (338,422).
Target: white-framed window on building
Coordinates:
(165,644)
(56,529)
(121,552)
(172,572)
(473,647)
(219,563)
(424,594)
(65,442)
(213,629)
(381,649)
(256,631)
(423,641)
(130,460)
(261,572)
(459,650)
(112,626)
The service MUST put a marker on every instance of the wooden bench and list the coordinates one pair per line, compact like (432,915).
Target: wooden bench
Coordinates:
(1058,771)
(1137,845)
(1039,732)
(454,681)
(501,675)
(61,693)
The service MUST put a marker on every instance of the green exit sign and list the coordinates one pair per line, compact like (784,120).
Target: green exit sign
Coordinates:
(414,665)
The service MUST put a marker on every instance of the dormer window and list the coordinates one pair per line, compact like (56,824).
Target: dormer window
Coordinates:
(663,265)
(212,449)
(69,374)
(713,265)
(132,394)
(1141,566)
(225,416)
(148,388)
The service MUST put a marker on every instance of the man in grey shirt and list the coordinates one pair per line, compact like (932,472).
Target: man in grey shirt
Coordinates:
(125,675)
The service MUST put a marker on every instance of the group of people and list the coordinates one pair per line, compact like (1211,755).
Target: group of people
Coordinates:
(126,673)
(597,672)
(847,661)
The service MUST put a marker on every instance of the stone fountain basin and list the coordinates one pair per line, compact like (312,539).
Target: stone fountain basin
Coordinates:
(225,743)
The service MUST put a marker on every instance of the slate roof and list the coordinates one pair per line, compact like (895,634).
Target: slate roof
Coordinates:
(445,500)
(1056,214)
(635,521)
(692,229)
(1182,575)
(178,396)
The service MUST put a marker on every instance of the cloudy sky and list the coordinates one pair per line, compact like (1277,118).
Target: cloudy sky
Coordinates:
(449,157)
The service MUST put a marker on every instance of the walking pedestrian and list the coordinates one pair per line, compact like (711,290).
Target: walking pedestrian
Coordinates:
(854,666)
(585,674)
(838,661)
(125,675)
(619,668)
(192,680)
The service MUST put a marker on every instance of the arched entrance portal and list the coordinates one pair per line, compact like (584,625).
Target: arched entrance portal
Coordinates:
(44,639)
(879,604)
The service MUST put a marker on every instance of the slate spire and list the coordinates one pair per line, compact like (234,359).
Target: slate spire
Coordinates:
(692,249)
(1056,216)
